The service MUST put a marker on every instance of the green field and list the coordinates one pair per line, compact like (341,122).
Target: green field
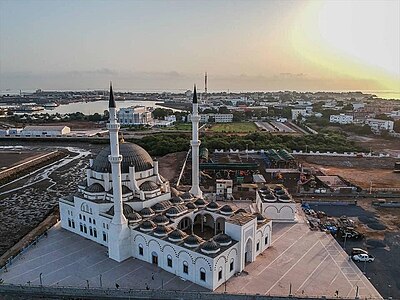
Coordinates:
(180,126)
(240,127)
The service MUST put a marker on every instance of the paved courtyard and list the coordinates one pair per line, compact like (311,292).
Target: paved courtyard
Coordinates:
(310,261)
(66,259)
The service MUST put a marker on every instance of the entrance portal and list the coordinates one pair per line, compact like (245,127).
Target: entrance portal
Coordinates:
(154,258)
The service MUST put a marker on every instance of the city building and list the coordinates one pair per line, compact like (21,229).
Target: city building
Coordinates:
(45,131)
(378,125)
(296,112)
(341,119)
(215,118)
(135,115)
(224,188)
(125,205)
(275,203)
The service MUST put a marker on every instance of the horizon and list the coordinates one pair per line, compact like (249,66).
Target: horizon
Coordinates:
(167,45)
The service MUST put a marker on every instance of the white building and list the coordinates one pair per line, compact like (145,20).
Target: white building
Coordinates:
(135,115)
(341,119)
(224,188)
(127,206)
(377,124)
(275,203)
(214,118)
(45,131)
(296,112)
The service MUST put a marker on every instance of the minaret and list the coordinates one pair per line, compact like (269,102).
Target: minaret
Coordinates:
(195,190)
(118,235)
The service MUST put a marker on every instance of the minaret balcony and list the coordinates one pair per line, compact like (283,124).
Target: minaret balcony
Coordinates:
(113,127)
(115,159)
(195,143)
(196,118)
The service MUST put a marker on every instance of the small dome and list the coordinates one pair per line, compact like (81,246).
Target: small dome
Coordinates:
(200,202)
(191,205)
(260,217)
(147,225)
(158,207)
(176,210)
(160,220)
(132,155)
(176,235)
(187,196)
(148,186)
(284,198)
(193,241)
(226,209)
(161,230)
(223,239)
(125,190)
(280,192)
(134,217)
(277,188)
(176,200)
(95,188)
(147,212)
(240,210)
(127,210)
(212,206)
(210,247)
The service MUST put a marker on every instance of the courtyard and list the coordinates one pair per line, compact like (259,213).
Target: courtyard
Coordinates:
(305,262)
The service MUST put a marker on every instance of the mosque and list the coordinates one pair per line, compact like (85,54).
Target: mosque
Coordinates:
(127,206)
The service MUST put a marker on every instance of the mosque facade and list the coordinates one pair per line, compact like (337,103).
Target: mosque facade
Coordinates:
(126,205)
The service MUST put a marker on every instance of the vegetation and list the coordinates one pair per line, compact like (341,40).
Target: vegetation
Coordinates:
(240,127)
(164,143)
(180,126)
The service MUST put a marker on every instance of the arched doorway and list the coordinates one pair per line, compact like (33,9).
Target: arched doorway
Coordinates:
(248,252)
(219,225)
(204,226)
(185,225)
(154,258)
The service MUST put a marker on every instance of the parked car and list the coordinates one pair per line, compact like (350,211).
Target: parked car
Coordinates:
(363,257)
(356,251)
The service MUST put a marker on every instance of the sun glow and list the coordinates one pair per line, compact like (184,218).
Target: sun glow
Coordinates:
(351,39)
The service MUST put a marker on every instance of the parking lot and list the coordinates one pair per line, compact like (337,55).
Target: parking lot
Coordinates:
(305,263)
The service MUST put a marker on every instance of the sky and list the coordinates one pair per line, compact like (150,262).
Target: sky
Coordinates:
(168,45)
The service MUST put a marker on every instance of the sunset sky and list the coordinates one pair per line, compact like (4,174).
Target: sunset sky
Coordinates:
(168,45)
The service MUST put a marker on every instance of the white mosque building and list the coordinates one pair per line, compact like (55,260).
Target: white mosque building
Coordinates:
(127,206)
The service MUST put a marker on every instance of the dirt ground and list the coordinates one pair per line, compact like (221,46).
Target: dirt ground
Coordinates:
(12,158)
(171,164)
(377,144)
(359,171)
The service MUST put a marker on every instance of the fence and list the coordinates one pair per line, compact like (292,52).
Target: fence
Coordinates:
(97,293)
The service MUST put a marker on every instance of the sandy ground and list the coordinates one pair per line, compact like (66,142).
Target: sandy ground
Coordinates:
(170,165)
(378,144)
(359,171)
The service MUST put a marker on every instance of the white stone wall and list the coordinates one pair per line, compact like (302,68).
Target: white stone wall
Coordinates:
(196,261)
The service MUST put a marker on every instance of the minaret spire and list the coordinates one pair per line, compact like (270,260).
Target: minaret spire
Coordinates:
(119,236)
(195,190)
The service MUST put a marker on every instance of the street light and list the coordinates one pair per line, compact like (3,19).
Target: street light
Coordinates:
(101,283)
(40,279)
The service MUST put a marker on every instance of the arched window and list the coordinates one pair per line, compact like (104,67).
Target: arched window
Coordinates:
(202,274)
(220,273)
(140,249)
(231,265)
(169,261)
(69,222)
(185,267)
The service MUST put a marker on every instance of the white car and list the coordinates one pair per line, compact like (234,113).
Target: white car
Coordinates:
(363,257)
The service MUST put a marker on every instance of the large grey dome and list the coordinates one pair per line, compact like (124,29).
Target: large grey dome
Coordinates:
(132,155)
